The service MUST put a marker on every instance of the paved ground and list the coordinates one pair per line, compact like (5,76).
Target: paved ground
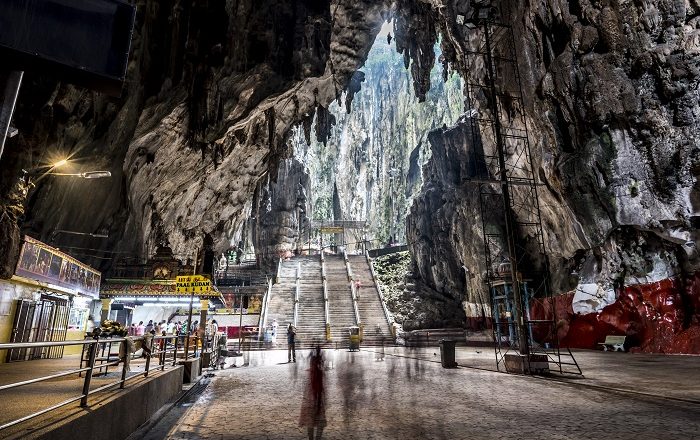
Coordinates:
(409,396)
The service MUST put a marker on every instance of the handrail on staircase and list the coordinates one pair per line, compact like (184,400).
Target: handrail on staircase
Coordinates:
(389,318)
(325,297)
(266,303)
(296,295)
(279,271)
(347,265)
(353,292)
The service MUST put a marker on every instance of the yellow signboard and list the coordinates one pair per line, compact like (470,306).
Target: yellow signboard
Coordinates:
(192,284)
(332,230)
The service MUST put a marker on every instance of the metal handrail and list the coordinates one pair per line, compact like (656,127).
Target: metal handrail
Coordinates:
(389,318)
(326,307)
(354,303)
(160,350)
(296,295)
(353,292)
(279,271)
(266,303)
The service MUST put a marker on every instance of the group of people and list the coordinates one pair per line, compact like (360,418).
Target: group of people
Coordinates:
(163,328)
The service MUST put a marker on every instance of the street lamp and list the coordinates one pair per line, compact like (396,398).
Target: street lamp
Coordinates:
(85,175)
(60,163)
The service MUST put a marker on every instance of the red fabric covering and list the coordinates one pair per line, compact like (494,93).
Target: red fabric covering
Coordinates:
(660,317)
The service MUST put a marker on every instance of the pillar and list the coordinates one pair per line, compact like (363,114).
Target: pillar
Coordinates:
(106,304)
(203,309)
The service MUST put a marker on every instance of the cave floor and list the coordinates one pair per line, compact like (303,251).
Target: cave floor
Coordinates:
(409,395)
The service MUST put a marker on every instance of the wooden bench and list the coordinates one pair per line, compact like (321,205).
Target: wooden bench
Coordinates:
(613,343)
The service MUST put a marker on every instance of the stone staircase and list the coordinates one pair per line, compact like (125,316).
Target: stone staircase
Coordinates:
(281,304)
(311,325)
(376,326)
(342,314)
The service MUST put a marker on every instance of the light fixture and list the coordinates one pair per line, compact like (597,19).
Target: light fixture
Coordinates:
(95,174)
(60,163)
(85,175)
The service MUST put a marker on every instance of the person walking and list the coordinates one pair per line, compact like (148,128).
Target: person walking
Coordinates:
(274,332)
(149,326)
(313,404)
(90,325)
(291,343)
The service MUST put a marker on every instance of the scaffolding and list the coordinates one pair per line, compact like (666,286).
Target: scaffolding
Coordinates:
(517,266)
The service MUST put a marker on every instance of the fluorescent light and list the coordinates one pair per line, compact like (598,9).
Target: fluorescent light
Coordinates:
(95,174)
(161,304)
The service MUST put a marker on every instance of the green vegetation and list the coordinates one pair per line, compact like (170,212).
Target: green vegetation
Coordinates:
(391,270)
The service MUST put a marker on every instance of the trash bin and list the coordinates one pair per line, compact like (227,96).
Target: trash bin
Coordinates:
(354,338)
(447,353)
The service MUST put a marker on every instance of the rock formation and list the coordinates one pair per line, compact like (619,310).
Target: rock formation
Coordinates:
(612,96)
(214,89)
(369,152)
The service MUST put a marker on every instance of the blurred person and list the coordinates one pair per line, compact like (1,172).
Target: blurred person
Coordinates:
(149,326)
(275,326)
(140,329)
(313,405)
(291,343)
(90,324)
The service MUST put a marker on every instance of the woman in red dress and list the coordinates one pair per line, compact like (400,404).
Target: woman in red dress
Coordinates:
(313,406)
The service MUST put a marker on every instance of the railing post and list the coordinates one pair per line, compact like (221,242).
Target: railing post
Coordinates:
(88,373)
(175,351)
(124,363)
(163,349)
(296,295)
(148,358)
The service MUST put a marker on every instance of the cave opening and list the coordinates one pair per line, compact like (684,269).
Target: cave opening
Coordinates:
(369,166)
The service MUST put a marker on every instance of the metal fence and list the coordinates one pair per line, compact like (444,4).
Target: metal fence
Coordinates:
(98,355)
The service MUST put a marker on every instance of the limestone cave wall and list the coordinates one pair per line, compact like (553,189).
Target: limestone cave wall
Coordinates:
(373,153)
(611,92)
(213,89)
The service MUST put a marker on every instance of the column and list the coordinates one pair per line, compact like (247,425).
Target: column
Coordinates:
(106,304)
